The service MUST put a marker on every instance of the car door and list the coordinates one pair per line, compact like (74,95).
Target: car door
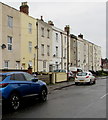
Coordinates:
(34,85)
(21,84)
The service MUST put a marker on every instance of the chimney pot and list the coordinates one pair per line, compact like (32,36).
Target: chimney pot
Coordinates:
(81,36)
(42,18)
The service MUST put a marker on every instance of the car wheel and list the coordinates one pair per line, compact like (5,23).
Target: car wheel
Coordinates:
(90,82)
(94,82)
(43,95)
(14,101)
(76,83)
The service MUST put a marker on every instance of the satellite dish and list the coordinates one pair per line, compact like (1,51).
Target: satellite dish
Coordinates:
(3,46)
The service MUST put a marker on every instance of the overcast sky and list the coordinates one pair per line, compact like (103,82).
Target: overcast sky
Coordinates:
(85,17)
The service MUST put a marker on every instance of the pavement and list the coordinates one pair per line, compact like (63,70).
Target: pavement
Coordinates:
(61,85)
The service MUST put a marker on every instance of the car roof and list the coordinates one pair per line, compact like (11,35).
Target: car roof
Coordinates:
(9,73)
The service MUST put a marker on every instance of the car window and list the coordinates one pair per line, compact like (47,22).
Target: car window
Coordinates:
(12,77)
(19,77)
(2,77)
(82,74)
(28,76)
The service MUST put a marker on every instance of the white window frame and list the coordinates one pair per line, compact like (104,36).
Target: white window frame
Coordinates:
(42,30)
(65,52)
(42,49)
(10,21)
(30,28)
(56,37)
(30,46)
(56,51)
(65,39)
(9,41)
(48,50)
(44,64)
(48,33)
(6,64)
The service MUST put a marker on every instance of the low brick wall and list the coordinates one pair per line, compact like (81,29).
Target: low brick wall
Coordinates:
(61,77)
(46,78)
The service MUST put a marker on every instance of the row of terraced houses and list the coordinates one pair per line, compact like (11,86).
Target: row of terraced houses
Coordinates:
(29,42)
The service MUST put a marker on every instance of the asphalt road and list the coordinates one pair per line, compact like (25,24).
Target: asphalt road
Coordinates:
(83,101)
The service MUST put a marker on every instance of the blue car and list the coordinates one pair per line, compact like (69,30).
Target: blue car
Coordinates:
(16,85)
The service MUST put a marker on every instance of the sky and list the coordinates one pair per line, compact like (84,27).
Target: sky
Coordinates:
(85,17)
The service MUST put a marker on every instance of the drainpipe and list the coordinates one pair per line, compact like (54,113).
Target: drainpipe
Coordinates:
(61,50)
(37,44)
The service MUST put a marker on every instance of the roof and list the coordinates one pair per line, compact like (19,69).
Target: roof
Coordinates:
(9,73)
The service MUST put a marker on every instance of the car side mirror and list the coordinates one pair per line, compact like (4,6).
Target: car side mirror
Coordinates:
(34,79)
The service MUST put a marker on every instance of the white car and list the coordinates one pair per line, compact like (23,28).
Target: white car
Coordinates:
(85,77)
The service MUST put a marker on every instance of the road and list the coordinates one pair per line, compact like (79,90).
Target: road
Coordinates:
(82,101)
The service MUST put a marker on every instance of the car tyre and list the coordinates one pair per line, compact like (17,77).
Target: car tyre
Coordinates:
(94,82)
(43,95)
(90,82)
(76,83)
(14,102)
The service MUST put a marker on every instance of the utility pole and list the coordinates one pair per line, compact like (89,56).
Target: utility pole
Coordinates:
(67,29)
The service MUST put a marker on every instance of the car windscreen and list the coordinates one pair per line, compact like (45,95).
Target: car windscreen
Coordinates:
(2,77)
(82,74)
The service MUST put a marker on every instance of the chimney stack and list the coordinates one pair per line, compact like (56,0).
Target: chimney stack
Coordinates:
(50,23)
(24,8)
(67,29)
(81,36)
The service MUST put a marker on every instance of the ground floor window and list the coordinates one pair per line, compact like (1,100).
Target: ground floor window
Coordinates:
(6,64)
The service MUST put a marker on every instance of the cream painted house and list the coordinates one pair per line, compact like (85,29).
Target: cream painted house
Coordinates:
(1,35)
(28,42)
(44,45)
(10,37)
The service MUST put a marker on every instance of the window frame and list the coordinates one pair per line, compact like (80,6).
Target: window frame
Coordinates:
(30,27)
(30,46)
(9,42)
(10,21)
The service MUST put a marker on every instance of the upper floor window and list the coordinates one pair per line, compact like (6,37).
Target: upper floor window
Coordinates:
(48,33)
(56,51)
(30,46)
(9,43)
(30,28)
(42,49)
(48,50)
(57,37)
(44,64)
(65,52)
(42,30)
(10,21)
(65,39)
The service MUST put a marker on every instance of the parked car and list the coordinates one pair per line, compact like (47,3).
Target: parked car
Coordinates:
(16,85)
(85,77)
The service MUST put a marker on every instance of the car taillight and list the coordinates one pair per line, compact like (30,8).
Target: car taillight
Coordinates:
(3,85)
(87,76)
